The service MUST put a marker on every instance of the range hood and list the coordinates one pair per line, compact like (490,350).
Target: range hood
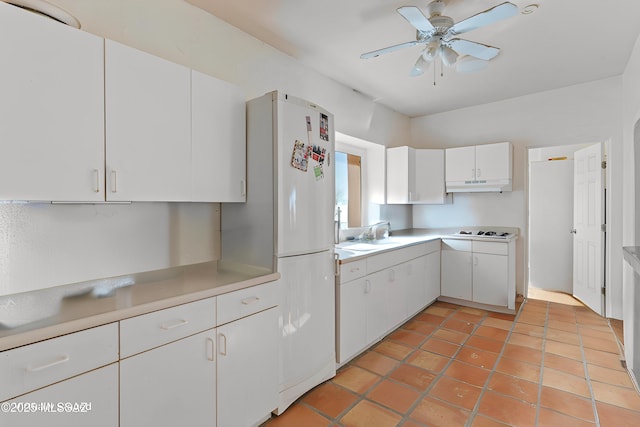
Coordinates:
(479,186)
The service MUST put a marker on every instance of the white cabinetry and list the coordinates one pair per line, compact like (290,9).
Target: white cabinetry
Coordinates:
(479,168)
(89,399)
(148,126)
(171,376)
(170,384)
(51,110)
(177,365)
(378,293)
(63,369)
(248,355)
(415,176)
(218,139)
(479,271)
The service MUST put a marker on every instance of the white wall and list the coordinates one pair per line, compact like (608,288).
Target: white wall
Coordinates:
(574,115)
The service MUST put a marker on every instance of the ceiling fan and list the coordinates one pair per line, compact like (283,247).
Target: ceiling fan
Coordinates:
(438,33)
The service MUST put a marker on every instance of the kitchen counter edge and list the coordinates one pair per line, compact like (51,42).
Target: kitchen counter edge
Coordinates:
(169,288)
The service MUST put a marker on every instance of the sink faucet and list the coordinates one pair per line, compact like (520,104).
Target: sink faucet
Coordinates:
(373,232)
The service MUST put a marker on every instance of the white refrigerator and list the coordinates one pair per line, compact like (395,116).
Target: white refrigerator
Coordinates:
(287,225)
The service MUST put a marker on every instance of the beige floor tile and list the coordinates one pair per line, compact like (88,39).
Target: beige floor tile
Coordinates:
(566,382)
(565,350)
(394,350)
(567,403)
(393,395)
(299,415)
(413,376)
(519,369)
(514,387)
(377,363)
(547,417)
(356,379)
(507,409)
(456,392)
(429,361)
(615,416)
(623,397)
(330,399)
(443,348)
(609,376)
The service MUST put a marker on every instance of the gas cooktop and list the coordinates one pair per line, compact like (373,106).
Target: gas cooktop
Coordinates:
(481,233)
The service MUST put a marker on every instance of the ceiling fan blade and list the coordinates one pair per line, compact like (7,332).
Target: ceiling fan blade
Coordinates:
(416,18)
(389,49)
(469,64)
(477,50)
(489,16)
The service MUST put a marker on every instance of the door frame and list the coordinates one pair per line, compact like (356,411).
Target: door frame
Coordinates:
(606,155)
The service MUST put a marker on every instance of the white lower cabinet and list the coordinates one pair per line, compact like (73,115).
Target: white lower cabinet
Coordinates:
(376,294)
(90,399)
(247,369)
(171,384)
(479,271)
(71,380)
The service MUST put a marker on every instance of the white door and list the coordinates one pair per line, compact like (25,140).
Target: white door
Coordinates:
(460,164)
(148,126)
(247,373)
(588,239)
(308,317)
(170,385)
(305,179)
(492,161)
(550,216)
(218,140)
(352,318)
(490,279)
(51,110)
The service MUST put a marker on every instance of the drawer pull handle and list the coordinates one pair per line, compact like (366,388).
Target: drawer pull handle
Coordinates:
(222,344)
(59,361)
(353,270)
(169,326)
(250,300)
(211,351)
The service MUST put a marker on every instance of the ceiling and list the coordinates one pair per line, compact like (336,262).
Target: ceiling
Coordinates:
(564,42)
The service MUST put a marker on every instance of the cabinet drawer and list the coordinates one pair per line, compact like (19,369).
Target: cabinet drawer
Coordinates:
(33,366)
(490,248)
(456,245)
(353,270)
(394,257)
(142,333)
(245,302)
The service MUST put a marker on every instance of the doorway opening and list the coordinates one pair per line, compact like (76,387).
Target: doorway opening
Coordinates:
(566,244)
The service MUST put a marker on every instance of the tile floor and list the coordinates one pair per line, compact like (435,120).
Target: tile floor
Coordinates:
(554,364)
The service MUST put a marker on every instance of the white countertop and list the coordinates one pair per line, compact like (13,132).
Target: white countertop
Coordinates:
(34,316)
(353,250)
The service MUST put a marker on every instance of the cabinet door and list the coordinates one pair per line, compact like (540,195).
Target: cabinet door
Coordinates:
(248,369)
(170,384)
(415,285)
(351,336)
(493,161)
(460,164)
(51,110)
(429,177)
(432,277)
(148,125)
(490,279)
(218,139)
(399,187)
(94,397)
(456,274)
(386,301)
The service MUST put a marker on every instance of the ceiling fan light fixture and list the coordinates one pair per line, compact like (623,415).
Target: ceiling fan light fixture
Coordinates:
(419,67)
(431,51)
(449,56)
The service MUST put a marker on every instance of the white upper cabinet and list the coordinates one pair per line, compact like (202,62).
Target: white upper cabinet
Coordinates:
(479,168)
(415,176)
(218,138)
(51,110)
(148,126)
